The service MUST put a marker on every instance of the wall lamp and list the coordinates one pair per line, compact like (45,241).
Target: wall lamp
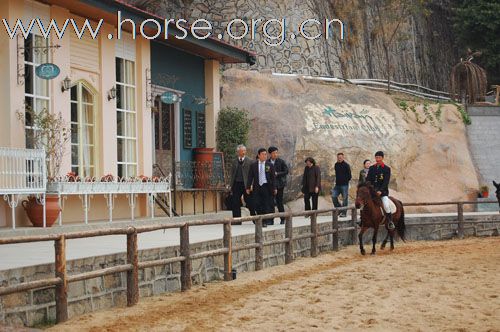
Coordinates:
(66,84)
(112,93)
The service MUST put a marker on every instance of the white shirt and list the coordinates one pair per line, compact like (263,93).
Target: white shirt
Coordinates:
(262,173)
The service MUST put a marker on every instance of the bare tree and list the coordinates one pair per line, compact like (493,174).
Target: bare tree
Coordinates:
(390,16)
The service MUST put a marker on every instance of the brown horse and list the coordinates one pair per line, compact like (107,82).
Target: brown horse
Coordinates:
(372,216)
(497,185)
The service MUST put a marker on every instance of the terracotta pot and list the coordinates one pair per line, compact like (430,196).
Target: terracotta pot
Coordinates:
(34,210)
(485,194)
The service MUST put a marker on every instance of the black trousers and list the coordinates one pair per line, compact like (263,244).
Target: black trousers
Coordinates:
(238,189)
(307,202)
(263,200)
(279,201)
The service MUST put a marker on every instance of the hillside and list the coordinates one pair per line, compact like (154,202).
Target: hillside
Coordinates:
(426,145)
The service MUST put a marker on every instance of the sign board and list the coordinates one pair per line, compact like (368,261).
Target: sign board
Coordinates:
(47,71)
(169,97)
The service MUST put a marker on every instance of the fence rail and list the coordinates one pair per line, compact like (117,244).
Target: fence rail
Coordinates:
(132,266)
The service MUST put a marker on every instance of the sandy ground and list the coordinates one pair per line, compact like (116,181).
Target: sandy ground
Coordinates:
(421,286)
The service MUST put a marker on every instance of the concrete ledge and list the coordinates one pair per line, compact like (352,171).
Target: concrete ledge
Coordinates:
(483,110)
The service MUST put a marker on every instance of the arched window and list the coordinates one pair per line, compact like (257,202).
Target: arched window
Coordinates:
(82,130)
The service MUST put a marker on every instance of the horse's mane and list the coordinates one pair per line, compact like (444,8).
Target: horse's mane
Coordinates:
(376,198)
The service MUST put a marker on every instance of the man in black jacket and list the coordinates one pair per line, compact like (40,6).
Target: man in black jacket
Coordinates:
(239,176)
(342,178)
(262,183)
(281,171)
(379,175)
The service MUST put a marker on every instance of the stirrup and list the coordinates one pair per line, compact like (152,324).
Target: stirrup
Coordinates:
(391,226)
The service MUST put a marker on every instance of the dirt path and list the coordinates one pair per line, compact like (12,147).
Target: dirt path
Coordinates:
(421,286)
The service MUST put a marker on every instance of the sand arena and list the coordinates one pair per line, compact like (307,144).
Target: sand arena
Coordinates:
(421,286)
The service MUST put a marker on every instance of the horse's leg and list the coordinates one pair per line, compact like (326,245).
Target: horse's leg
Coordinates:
(374,239)
(391,232)
(384,242)
(360,238)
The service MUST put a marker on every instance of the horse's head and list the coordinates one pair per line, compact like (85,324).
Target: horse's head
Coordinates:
(497,185)
(363,195)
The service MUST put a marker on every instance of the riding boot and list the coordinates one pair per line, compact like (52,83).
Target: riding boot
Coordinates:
(390,224)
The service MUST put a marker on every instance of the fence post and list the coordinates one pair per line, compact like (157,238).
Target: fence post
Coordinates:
(460,208)
(335,228)
(314,232)
(259,250)
(186,263)
(61,288)
(132,275)
(289,236)
(228,257)
(354,219)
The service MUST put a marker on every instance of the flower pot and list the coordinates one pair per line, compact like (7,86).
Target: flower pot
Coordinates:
(34,210)
(484,194)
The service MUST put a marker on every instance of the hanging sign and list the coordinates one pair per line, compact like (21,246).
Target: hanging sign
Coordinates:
(169,97)
(47,71)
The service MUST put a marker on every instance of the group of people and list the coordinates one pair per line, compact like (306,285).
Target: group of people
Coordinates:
(261,182)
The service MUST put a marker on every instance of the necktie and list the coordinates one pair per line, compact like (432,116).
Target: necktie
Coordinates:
(262,174)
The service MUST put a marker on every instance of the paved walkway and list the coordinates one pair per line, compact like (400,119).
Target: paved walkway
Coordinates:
(37,253)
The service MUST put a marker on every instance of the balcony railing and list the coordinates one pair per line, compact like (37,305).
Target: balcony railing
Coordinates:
(22,172)
(110,186)
(203,175)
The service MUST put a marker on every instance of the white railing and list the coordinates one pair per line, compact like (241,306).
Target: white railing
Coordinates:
(109,187)
(22,172)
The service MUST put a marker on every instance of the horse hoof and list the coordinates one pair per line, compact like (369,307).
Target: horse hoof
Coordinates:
(373,253)
(382,247)
(363,252)
(392,248)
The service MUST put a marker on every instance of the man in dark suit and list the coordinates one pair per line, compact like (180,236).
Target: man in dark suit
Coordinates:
(379,175)
(239,177)
(262,183)
(281,171)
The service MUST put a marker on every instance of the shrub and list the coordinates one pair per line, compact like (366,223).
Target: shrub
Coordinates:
(233,127)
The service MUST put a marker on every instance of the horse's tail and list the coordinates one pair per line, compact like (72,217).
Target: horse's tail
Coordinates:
(400,225)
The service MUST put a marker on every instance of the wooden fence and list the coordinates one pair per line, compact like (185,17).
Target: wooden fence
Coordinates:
(61,278)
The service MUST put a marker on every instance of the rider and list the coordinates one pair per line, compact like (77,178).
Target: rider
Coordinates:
(379,176)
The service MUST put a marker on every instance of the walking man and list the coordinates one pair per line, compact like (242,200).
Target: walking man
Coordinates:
(281,171)
(379,176)
(342,178)
(262,183)
(239,176)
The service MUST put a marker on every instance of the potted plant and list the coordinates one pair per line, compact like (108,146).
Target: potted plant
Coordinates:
(484,190)
(50,133)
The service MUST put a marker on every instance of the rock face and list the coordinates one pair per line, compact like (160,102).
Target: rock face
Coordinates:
(422,52)
(426,146)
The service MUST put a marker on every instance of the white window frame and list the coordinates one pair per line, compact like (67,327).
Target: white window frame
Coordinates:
(80,85)
(126,160)
(34,95)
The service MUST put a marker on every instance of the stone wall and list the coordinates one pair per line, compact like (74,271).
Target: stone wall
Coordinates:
(422,51)
(32,307)
(484,141)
